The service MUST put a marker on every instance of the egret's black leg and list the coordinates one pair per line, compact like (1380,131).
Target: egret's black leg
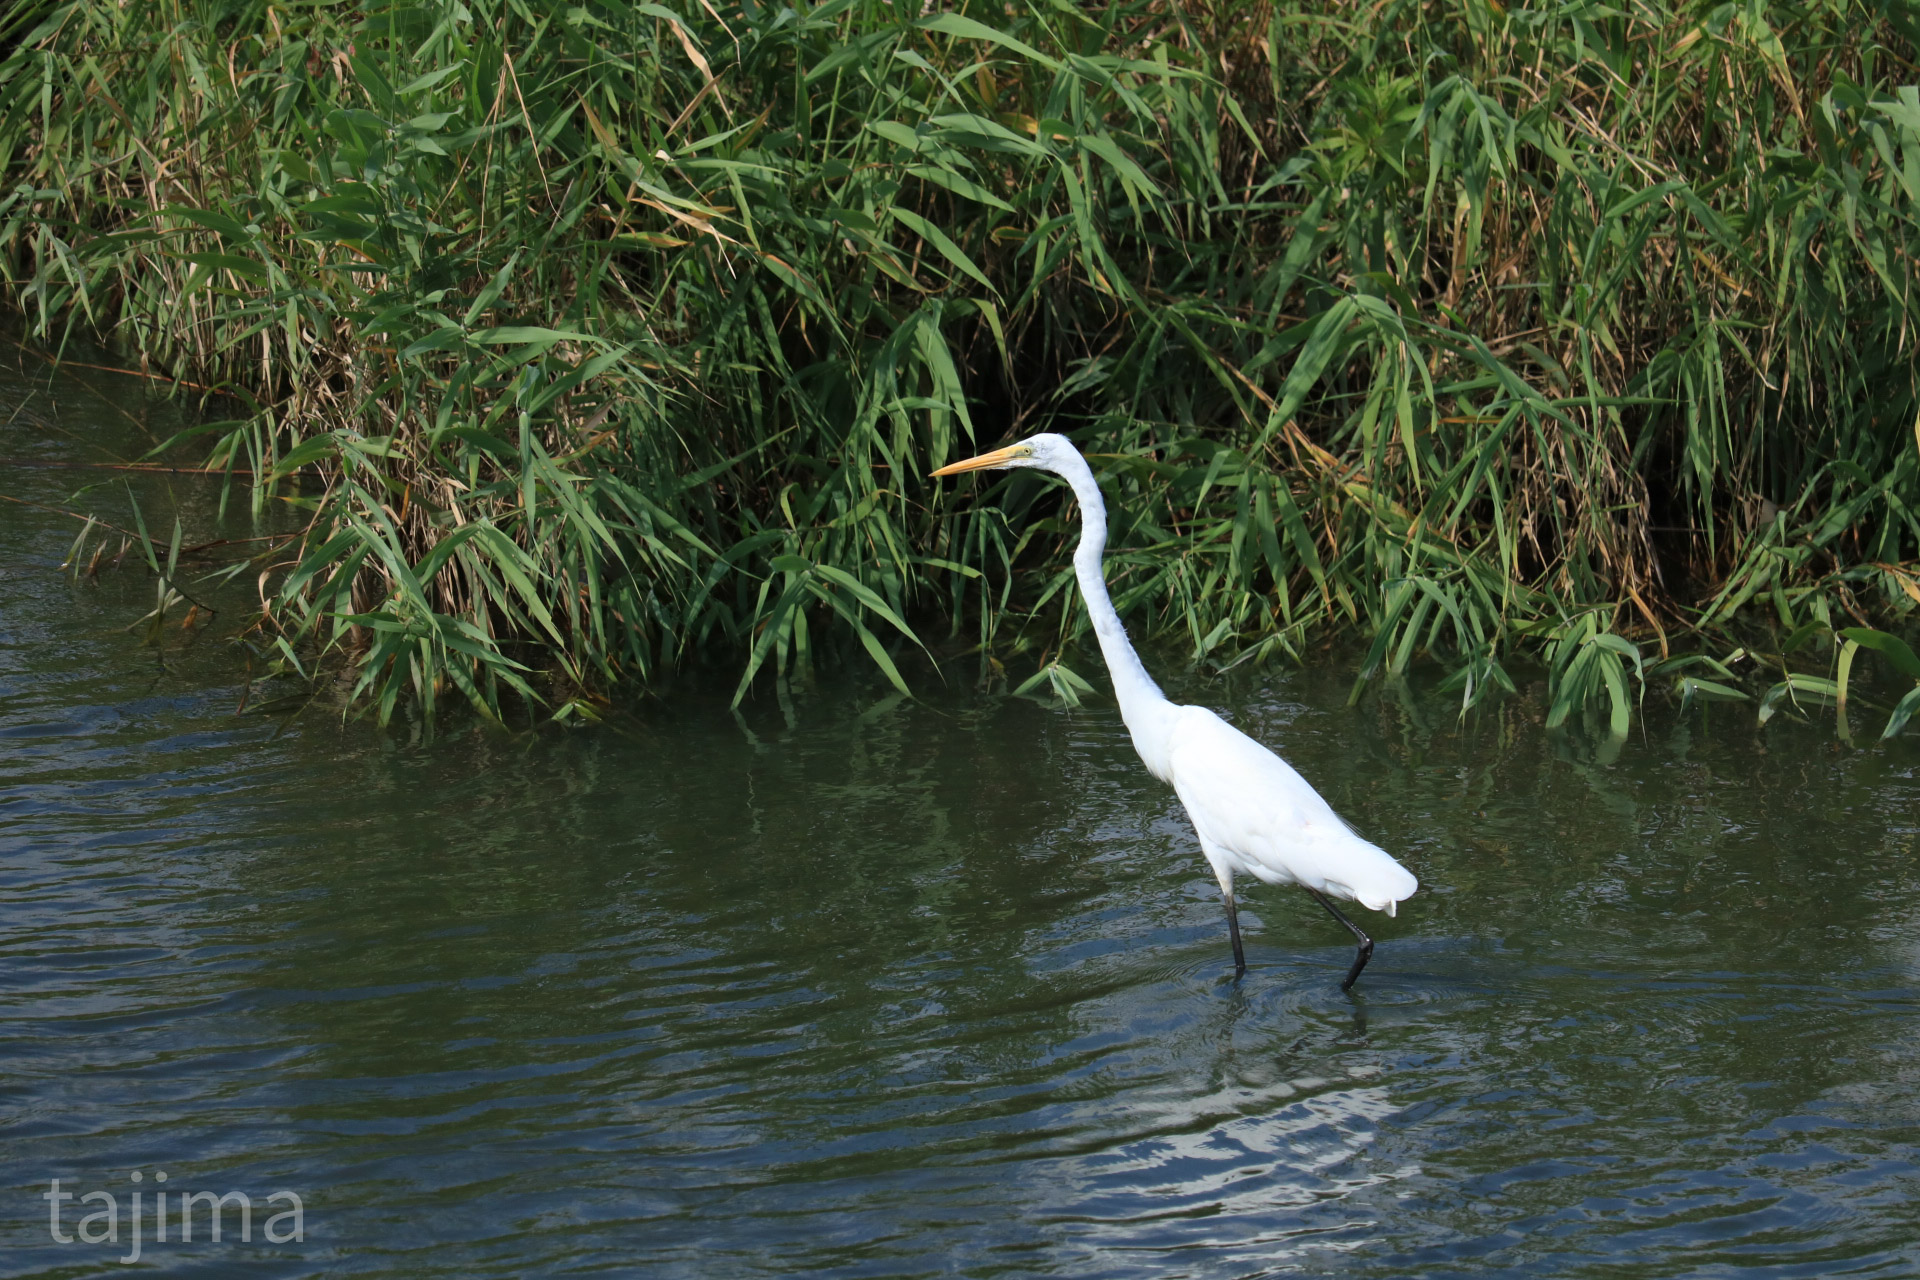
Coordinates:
(1233,931)
(1365,952)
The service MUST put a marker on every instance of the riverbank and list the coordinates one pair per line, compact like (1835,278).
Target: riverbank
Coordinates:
(596,340)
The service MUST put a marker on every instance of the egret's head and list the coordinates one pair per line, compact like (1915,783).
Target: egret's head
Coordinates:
(1046,451)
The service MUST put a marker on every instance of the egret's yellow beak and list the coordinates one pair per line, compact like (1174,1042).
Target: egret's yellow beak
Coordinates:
(998,458)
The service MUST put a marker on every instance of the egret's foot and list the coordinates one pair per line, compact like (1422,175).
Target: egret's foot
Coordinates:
(1365,951)
(1362,954)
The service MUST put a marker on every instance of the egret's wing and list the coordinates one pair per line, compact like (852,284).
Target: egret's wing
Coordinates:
(1248,801)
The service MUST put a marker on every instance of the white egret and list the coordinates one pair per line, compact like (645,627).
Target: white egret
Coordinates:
(1252,812)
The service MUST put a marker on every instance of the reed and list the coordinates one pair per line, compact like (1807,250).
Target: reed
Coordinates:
(596,338)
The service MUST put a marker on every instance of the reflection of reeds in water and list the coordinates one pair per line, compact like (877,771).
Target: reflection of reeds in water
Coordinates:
(597,338)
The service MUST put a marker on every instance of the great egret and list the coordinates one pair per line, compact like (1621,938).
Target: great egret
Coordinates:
(1252,812)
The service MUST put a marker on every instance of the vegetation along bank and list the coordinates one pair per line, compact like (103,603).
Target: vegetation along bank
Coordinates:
(592,339)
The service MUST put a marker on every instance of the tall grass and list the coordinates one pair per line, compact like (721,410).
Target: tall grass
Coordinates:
(600,338)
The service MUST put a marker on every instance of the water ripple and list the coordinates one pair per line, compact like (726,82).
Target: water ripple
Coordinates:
(939,989)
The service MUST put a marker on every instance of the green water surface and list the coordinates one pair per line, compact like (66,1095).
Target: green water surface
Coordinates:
(863,986)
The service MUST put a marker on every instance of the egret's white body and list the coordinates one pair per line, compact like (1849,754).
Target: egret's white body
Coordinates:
(1254,815)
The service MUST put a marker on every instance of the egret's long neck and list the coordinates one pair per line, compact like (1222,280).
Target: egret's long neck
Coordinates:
(1138,695)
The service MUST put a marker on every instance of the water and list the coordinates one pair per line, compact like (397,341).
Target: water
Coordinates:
(868,987)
